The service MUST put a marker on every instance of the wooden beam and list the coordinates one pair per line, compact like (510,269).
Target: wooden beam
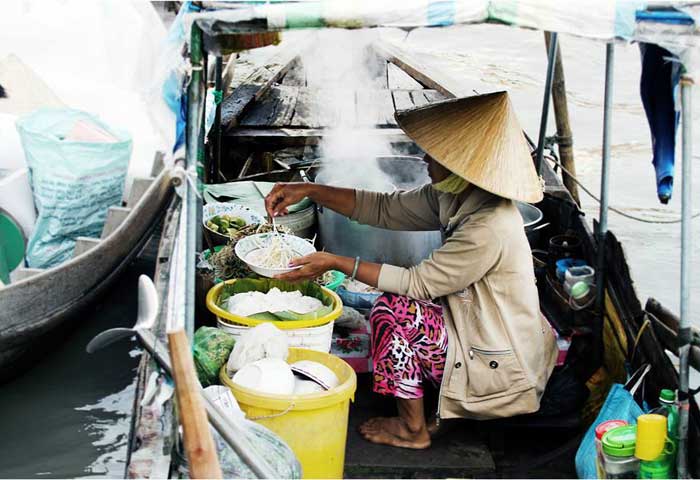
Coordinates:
(83,244)
(427,75)
(669,340)
(670,319)
(115,217)
(259,82)
(289,137)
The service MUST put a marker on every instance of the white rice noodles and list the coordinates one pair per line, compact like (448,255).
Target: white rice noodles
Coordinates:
(251,303)
(276,254)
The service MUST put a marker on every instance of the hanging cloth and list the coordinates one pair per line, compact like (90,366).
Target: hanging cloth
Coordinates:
(658,88)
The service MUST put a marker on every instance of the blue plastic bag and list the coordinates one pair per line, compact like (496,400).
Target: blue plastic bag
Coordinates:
(619,405)
(74,182)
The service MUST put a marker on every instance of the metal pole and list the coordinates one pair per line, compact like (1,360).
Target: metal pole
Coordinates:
(686,248)
(551,60)
(605,174)
(194,166)
(216,164)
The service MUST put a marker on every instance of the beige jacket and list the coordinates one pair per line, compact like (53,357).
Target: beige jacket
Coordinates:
(501,350)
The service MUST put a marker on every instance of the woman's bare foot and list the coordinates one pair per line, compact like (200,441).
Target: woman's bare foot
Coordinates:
(395,432)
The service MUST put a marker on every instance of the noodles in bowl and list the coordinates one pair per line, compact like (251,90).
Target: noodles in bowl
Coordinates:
(269,254)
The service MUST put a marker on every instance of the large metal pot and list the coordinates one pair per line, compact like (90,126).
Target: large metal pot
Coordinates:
(532,218)
(342,236)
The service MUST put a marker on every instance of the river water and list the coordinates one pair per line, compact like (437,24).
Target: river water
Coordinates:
(69,415)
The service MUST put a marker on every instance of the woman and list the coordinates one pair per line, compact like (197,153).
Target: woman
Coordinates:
(467,318)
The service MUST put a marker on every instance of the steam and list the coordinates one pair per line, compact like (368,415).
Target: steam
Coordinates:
(340,65)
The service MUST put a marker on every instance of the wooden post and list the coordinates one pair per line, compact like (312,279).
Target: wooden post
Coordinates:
(199,444)
(561,115)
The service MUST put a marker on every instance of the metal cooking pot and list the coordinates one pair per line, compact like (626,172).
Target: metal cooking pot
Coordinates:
(342,236)
(532,216)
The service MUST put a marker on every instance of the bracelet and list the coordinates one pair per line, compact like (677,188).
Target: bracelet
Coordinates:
(354,270)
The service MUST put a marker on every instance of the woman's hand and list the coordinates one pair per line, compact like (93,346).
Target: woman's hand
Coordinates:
(312,267)
(283,195)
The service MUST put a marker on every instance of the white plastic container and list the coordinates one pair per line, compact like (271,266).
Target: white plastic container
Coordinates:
(312,338)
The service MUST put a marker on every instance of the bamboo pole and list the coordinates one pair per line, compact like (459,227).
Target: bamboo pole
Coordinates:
(565,139)
(199,443)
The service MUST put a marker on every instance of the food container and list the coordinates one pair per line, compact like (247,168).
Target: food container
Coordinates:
(245,246)
(301,223)
(314,332)
(618,452)
(600,430)
(211,210)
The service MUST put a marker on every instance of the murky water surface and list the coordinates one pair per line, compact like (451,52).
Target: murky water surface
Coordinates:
(69,415)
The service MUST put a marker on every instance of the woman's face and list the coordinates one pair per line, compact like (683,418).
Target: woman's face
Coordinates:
(436,171)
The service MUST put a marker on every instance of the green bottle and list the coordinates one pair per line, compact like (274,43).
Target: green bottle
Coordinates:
(664,466)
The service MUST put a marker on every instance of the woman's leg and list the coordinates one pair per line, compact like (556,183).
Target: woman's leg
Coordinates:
(409,346)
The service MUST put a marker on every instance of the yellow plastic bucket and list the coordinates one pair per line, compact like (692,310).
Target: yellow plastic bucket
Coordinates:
(315,426)
(228,317)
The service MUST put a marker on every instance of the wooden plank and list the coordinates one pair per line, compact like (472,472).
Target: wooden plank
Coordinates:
(419,98)
(317,108)
(295,76)
(400,80)
(115,217)
(669,318)
(276,109)
(22,273)
(669,340)
(158,164)
(83,244)
(138,188)
(421,71)
(433,96)
(375,108)
(259,82)
(402,100)
(289,137)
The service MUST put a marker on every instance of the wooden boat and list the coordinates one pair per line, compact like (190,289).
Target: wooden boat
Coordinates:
(34,308)
(265,123)
(267,136)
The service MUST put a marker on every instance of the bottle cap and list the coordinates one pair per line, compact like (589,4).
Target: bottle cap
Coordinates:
(651,436)
(667,395)
(601,428)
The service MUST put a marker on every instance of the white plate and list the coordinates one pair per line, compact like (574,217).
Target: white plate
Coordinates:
(254,242)
(213,209)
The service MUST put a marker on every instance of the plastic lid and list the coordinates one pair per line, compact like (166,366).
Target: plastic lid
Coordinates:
(579,290)
(620,441)
(606,426)
(667,395)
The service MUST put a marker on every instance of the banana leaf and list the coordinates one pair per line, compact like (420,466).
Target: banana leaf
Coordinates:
(310,289)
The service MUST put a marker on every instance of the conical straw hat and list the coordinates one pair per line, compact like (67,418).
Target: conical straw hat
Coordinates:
(478,138)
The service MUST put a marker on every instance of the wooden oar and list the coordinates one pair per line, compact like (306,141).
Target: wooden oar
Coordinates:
(199,444)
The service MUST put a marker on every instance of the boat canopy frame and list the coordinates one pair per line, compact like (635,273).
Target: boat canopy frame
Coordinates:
(669,24)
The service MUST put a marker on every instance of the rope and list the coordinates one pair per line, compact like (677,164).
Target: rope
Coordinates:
(616,210)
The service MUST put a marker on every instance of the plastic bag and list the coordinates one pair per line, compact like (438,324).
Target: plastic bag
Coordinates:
(620,404)
(74,181)
(263,341)
(270,448)
(211,349)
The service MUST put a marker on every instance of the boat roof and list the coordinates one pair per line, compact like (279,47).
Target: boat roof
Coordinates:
(670,24)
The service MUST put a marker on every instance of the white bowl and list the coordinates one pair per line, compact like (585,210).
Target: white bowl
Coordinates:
(213,209)
(254,242)
(269,375)
(316,372)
